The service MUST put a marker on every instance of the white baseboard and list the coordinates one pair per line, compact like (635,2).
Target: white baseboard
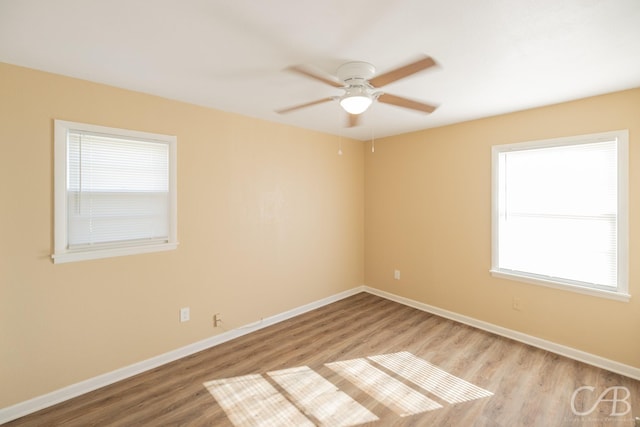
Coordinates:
(41,402)
(572,353)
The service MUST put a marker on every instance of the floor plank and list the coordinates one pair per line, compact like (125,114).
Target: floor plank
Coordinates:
(530,387)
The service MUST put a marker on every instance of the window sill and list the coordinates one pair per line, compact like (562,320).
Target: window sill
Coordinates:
(70,256)
(617,296)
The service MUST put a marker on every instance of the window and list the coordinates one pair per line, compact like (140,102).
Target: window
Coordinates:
(115,192)
(560,213)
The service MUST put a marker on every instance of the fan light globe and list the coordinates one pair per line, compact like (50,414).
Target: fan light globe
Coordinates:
(356,100)
(355,104)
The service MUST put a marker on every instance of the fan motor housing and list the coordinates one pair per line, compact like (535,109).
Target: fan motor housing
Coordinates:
(355,71)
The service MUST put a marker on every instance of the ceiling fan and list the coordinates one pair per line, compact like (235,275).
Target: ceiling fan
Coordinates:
(360,87)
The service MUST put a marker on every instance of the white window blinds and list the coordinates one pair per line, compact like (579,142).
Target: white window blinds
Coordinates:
(117,190)
(559,212)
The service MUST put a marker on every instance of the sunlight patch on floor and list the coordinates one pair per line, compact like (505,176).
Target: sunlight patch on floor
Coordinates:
(397,396)
(431,378)
(320,398)
(302,397)
(251,401)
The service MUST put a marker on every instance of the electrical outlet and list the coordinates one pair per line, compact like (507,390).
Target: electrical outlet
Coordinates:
(185,314)
(396,274)
(517,304)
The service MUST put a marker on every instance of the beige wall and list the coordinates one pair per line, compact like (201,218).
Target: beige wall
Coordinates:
(427,213)
(270,218)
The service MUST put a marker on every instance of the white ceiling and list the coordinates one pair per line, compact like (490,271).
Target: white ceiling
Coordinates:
(494,56)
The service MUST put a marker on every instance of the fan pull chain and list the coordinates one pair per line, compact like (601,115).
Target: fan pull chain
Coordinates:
(373,142)
(339,136)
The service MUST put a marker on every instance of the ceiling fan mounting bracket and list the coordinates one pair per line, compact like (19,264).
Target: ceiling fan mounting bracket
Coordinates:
(355,71)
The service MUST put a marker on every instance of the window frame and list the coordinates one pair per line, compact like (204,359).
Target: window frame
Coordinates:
(621,293)
(61,251)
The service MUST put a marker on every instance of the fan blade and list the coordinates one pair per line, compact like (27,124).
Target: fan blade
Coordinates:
(308,104)
(406,103)
(402,72)
(301,70)
(353,120)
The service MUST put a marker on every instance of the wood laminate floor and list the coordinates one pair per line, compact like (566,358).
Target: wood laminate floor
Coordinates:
(516,385)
